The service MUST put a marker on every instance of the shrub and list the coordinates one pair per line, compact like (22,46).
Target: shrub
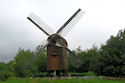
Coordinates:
(42,74)
(4,75)
(77,74)
(90,73)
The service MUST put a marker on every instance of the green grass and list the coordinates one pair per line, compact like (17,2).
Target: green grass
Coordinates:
(38,80)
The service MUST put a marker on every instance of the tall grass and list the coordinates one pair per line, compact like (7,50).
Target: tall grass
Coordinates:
(39,80)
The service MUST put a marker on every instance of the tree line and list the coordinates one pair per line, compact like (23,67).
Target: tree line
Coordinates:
(108,60)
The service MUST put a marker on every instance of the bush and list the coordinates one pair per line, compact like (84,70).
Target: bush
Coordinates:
(77,74)
(4,75)
(90,73)
(42,74)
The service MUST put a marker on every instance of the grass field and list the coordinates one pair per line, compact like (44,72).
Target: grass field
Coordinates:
(39,80)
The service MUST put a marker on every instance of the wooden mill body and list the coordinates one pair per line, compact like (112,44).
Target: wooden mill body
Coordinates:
(57,56)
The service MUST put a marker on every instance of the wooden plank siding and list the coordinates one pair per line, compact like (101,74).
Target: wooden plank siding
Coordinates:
(57,57)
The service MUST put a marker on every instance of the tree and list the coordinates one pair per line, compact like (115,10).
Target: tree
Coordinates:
(21,59)
(40,61)
(113,53)
(4,71)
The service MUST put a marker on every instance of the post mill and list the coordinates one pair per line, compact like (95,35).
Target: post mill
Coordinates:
(57,46)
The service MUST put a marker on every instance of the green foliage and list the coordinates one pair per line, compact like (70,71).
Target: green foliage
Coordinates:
(21,59)
(108,60)
(77,74)
(113,55)
(90,73)
(4,75)
(3,66)
(41,74)
(11,66)
(4,71)
(40,61)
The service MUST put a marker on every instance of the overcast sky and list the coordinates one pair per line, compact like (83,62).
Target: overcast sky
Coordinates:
(102,19)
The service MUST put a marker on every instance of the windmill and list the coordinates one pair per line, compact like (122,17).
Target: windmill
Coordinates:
(57,46)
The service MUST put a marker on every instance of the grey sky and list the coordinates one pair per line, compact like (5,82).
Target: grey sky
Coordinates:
(102,19)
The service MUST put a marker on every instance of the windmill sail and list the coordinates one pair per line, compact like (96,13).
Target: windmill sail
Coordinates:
(77,61)
(63,30)
(70,22)
(40,24)
(42,47)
